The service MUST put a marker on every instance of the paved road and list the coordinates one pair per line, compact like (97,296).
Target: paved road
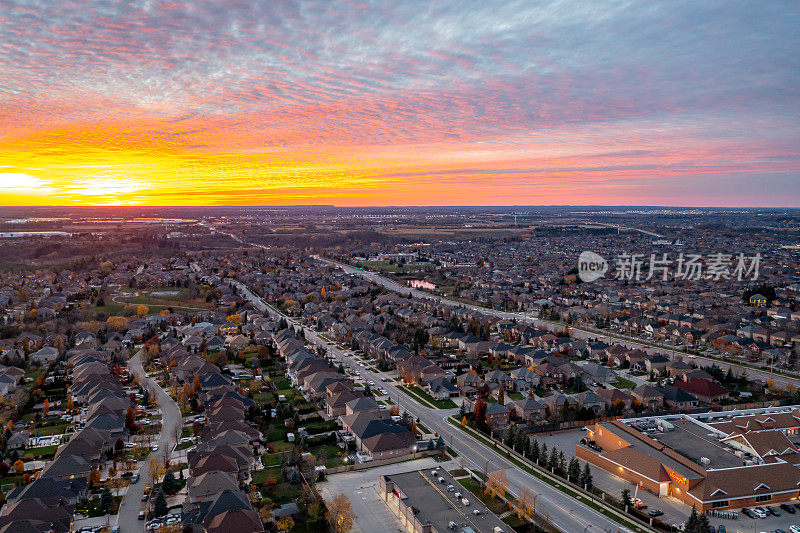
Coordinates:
(578,333)
(564,512)
(128,518)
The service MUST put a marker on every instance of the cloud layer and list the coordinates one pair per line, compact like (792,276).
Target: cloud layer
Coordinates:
(441,102)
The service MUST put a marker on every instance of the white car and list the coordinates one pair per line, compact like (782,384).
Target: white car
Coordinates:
(372,382)
(155,447)
(794,529)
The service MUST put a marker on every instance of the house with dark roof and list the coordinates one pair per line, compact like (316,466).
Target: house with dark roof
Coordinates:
(380,437)
(704,390)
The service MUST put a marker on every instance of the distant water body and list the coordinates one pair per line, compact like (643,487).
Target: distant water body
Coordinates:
(14,234)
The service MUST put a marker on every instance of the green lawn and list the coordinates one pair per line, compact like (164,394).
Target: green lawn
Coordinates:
(440,404)
(46,431)
(271,459)
(516,396)
(622,383)
(44,451)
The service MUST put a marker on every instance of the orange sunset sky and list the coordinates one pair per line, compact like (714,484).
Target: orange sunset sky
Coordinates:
(399,103)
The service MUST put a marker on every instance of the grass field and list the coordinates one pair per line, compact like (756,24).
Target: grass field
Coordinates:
(622,383)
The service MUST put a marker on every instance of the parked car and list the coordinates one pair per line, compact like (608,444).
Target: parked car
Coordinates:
(639,504)
(141,515)
(773,511)
(655,512)
(748,513)
(134,478)
(788,508)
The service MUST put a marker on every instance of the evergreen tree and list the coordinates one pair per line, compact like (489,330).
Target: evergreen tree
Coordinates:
(552,464)
(626,497)
(543,455)
(562,465)
(160,505)
(511,436)
(440,443)
(586,476)
(462,411)
(105,501)
(691,522)
(535,451)
(431,445)
(169,484)
(522,443)
(574,470)
(702,523)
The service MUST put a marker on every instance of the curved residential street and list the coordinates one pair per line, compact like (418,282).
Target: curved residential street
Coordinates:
(171,424)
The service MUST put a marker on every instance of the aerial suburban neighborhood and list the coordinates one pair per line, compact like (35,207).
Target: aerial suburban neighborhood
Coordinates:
(287,381)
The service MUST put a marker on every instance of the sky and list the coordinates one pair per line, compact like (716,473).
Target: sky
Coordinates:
(400,103)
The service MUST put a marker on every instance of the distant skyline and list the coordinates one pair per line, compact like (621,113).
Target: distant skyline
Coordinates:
(358,103)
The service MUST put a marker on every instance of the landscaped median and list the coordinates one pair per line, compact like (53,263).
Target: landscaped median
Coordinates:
(571,490)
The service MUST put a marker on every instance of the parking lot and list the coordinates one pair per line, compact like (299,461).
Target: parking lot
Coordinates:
(675,512)
(373,515)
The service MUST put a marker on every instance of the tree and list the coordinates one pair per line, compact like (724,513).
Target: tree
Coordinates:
(160,505)
(552,463)
(196,384)
(480,411)
(130,417)
(535,451)
(574,470)
(154,470)
(626,498)
(586,477)
(169,484)
(116,484)
(525,504)
(561,469)
(284,523)
(94,477)
(19,466)
(543,455)
(142,310)
(501,396)
(105,501)
(340,513)
(46,407)
(496,484)
(510,439)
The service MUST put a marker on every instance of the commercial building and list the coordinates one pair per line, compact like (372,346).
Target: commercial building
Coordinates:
(431,501)
(716,460)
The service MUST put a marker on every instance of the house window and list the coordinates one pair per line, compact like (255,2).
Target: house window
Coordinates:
(723,503)
(764,498)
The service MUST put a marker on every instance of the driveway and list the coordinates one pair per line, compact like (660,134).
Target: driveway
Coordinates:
(128,520)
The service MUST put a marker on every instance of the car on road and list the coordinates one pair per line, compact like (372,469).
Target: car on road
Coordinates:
(141,515)
(721,529)
(134,479)
(639,504)
(155,447)
(371,383)
(655,512)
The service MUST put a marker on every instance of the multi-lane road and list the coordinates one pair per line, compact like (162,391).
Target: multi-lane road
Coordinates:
(564,512)
(578,333)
